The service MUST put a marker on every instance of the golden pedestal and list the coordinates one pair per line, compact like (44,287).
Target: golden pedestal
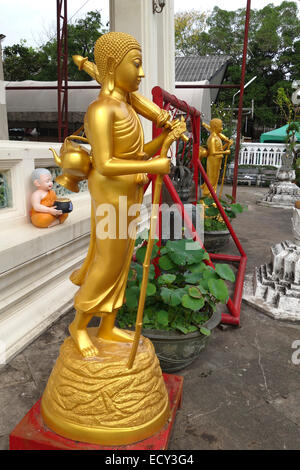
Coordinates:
(99,400)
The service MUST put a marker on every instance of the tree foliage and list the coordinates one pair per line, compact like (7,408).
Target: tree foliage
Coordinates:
(273,45)
(26,63)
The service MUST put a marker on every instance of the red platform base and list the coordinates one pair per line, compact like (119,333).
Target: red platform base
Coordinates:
(32,434)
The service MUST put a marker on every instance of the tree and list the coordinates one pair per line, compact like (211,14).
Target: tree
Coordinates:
(27,63)
(188,26)
(21,62)
(274,52)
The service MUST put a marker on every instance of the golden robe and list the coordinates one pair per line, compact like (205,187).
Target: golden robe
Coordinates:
(103,276)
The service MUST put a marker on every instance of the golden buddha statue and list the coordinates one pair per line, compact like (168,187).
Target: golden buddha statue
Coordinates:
(215,152)
(91,394)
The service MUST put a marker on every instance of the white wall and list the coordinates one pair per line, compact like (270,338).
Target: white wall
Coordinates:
(155,33)
(3,113)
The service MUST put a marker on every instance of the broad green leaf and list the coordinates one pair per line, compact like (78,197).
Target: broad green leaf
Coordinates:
(166,263)
(208,201)
(195,292)
(178,258)
(211,211)
(193,278)
(197,268)
(166,278)
(175,298)
(192,304)
(138,269)
(141,252)
(225,272)
(181,328)
(151,289)
(166,294)
(205,331)
(171,297)
(209,273)
(162,317)
(132,296)
(218,289)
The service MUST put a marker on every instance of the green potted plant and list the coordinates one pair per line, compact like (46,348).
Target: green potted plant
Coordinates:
(181,174)
(216,233)
(180,309)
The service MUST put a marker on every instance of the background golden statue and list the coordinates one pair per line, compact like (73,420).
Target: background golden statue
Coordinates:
(92,395)
(214,154)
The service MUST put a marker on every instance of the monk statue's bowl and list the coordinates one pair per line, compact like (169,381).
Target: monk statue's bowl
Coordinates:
(63,204)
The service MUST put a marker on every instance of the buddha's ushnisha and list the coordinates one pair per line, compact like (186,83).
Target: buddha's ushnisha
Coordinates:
(120,162)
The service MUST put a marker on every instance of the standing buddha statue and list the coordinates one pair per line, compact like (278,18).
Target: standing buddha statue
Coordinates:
(91,394)
(214,154)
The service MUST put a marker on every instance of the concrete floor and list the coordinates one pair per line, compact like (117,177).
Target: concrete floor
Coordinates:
(242,393)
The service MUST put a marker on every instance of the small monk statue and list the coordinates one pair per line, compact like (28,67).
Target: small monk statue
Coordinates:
(215,152)
(43,213)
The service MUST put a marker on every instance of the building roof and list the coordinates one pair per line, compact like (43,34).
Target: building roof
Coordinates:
(195,68)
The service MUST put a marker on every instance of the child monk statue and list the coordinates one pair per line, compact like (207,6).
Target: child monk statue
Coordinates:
(43,213)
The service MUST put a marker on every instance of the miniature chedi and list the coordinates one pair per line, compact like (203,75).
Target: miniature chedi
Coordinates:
(92,394)
(275,286)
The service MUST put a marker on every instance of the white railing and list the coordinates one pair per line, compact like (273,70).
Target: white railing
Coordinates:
(17,161)
(261,154)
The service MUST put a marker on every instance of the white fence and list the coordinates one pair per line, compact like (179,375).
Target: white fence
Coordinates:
(261,154)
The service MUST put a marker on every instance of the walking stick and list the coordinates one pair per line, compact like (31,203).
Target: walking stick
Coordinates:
(224,169)
(177,130)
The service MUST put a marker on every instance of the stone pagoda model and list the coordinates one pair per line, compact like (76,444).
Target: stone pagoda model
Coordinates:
(275,287)
(283,192)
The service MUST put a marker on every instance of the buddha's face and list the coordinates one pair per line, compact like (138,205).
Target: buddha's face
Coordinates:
(129,72)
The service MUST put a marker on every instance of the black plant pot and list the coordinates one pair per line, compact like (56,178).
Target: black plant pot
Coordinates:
(176,350)
(214,241)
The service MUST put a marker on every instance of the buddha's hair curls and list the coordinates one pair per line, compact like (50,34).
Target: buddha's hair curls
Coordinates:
(115,45)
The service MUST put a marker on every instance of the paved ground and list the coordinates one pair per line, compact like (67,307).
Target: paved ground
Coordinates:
(242,393)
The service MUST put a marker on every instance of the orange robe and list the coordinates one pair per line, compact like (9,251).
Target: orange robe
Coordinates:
(43,219)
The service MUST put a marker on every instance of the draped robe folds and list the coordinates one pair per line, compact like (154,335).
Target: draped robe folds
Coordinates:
(213,163)
(103,276)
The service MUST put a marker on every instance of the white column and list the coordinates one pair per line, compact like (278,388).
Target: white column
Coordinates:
(3,112)
(155,32)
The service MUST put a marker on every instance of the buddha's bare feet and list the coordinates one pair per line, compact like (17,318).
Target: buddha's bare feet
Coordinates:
(83,341)
(116,334)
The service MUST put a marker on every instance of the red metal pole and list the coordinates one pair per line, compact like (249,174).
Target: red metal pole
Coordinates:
(62,69)
(239,125)
(59,81)
(65,69)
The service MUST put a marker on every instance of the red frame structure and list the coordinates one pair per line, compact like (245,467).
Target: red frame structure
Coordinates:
(163,99)
(62,68)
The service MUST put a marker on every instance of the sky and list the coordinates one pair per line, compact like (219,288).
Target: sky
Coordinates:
(35,20)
